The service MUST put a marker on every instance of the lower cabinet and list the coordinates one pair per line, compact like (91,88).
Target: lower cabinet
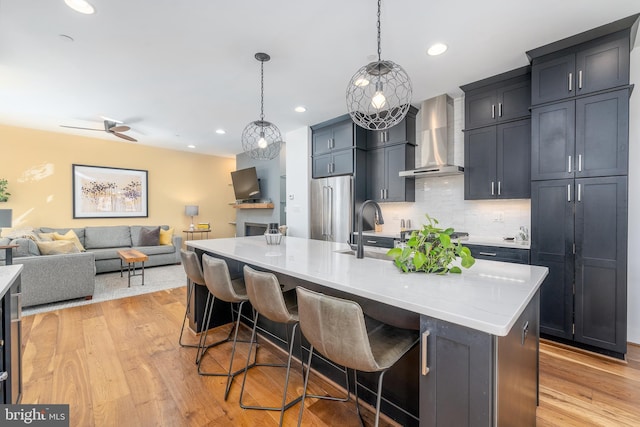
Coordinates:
(499,253)
(579,231)
(492,380)
(11,344)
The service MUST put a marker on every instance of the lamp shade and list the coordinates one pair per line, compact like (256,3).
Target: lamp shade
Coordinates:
(191,210)
(5,217)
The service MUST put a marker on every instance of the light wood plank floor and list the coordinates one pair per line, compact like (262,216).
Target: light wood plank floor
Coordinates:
(117,363)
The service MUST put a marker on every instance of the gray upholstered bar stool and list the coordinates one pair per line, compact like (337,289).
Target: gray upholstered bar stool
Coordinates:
(336,328)
(195,278)
(267,300)
(220,286)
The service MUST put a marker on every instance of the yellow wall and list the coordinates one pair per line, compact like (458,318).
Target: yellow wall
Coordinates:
(37,165)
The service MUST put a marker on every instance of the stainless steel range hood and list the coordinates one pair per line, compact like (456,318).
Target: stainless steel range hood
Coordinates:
(436,140)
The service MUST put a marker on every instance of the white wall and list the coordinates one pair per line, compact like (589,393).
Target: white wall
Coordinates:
(298,179)
(633,270)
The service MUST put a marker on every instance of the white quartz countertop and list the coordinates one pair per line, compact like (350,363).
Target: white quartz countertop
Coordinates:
(471,240)
(8,275)
(489,297)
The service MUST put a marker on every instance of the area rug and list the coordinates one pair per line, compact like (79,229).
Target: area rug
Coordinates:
(111,286)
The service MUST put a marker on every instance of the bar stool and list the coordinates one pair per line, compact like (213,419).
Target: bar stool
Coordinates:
(193,270)
(267,300)
(220,286)
(336,328)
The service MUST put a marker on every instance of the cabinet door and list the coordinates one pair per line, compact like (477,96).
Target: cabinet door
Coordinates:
(342,163)
(514,101)
(322,141)
(399,189)
(376,174)
(602,134)
(321,166)
(375,138)
(514,160)
(497,253)
(601,262)
(552,227)
(603,66)
(480,164)
(480,109)
(553,141)
(343,135)
(553,79)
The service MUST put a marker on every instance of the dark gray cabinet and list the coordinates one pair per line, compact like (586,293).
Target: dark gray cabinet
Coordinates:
(499,253)
(403,132)
(494,105)
(579,231)
(383,166)
(11,343)
(586,68)
(332,147)
(497,161)
(492,380)
(587,137)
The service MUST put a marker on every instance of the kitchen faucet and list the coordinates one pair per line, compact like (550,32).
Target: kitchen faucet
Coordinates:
(360,248)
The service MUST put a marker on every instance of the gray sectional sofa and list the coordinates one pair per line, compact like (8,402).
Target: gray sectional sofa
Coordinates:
(50,278)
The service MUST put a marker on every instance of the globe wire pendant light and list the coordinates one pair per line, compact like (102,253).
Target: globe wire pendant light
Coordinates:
(261,139)
(379,93)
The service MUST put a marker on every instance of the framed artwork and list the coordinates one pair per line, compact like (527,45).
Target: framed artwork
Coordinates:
(103,192)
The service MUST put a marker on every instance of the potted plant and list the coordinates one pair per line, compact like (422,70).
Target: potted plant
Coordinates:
(431,250)
(4,194)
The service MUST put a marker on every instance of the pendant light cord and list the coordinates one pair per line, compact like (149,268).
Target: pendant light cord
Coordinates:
(262,92)
(379,49)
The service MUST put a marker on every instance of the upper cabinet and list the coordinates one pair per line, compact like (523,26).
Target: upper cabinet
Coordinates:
(405,131)
(332,146)
(500,98)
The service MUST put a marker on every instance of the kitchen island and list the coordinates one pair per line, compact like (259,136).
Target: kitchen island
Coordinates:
(479,345)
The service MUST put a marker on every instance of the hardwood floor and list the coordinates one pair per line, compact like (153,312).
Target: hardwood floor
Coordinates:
(118,363)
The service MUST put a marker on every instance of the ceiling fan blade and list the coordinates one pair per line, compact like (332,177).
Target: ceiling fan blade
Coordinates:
(123,136)
(119,128)
(76,127)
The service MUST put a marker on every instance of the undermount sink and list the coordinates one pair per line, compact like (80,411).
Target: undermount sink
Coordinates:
(367,254)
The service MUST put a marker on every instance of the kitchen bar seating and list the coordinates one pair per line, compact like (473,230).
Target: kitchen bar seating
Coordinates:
(336,328)
(267,300)
(220,286)
(195,278)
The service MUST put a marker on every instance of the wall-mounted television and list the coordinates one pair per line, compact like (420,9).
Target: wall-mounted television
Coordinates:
(246,185)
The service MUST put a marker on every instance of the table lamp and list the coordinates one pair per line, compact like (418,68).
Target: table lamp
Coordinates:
(5,217)
(191,211)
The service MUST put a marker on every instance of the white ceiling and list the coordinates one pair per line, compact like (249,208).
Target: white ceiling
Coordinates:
(175,71)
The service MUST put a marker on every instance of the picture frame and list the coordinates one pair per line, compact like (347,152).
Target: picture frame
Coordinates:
(107,192)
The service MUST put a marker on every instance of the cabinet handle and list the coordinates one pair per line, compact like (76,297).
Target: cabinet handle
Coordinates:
(381,194)
(499,109)
(525,332)
(568,192)
(425,368)
(328,167)
(579,162)
(488,253)
(499,188)
(569,165)
(579,192)
(580,79)
(329,144)
(493,111)
(570,82)
(372,241)
(492,185)
(386,193)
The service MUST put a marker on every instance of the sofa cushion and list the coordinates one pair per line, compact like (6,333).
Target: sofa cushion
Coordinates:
(166,236)
(26,247)
(79,232)
(115,236)
(135,233)
(46,237)
(156,250)
(58,247)
(106,253)
(149,236)
(72,237)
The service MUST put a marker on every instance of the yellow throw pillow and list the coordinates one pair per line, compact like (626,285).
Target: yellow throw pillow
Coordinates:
(166,236)
(57,247)
(46,237)
(70,235)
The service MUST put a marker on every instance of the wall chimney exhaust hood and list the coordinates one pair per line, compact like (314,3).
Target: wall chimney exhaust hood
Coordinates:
(435,140)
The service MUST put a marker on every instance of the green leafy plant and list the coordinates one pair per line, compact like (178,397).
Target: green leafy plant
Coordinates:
(431,250)
(4,194)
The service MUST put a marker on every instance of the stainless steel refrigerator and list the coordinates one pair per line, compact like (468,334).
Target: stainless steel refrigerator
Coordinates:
(332,204)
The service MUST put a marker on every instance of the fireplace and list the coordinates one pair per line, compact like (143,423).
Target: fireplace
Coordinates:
(254,229)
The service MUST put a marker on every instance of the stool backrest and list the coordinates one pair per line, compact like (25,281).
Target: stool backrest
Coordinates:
(217,279)
(335,327)
(192,266)
(266,296)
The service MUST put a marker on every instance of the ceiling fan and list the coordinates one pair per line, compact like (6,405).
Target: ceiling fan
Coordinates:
(110,126)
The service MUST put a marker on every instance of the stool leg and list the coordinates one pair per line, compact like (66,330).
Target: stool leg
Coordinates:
(306,382)
(286,379)
(231,375)
(380,379)
(203,334)
(253,337)
(190,287)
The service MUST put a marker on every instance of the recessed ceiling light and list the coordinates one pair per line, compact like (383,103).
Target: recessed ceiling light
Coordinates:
(81,6)
(221,131)
(437,49)
(191,146)
(300,109)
